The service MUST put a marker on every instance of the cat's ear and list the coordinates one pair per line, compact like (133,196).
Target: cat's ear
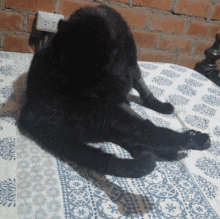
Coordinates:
(61,24)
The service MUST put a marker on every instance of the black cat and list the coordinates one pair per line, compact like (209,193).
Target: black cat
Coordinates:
(77,93)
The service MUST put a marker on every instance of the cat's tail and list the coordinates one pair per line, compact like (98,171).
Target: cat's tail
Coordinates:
(98,160)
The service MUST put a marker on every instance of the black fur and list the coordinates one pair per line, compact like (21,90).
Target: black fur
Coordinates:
(77,93)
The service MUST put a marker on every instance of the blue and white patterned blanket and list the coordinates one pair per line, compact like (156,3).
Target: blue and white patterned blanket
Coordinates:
(36,185)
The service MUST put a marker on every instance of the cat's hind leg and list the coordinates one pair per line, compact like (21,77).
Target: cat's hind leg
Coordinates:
(147,98)
(63,136)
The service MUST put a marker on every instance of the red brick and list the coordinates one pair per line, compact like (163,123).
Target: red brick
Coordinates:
(67,7)
(17,43)
(187,61)
(121,1)
(32,5)
(10,21)
(144,39)
(216,13)
(213,30)
(163,5)
(198,28)
(171,43)
(197,8)
(135,18)
(167,24)
(155,56)
(203,45)
(30,22)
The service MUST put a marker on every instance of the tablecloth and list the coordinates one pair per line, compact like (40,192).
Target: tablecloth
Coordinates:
(35,184)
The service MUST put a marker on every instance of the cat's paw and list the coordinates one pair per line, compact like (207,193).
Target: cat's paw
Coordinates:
(143,165)
(198,140)
(158,106)
(167,108)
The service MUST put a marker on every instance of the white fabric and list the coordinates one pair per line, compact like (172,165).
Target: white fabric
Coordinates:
(34,184)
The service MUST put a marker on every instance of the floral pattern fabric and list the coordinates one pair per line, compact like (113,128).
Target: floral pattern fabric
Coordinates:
(36,185)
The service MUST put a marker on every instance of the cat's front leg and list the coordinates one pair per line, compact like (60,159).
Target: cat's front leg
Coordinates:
(166,139)
(133,130)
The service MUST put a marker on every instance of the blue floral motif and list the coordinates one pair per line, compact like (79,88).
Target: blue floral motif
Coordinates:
(145,73)
(6,70)
(171,208)
(79,197)
(7,193)
(82,212)
(169,73)
(54,206)
(38,187)
(24,208)
(193,83)
(39,199)
(214,91)
(77,184)
(209,166)
(199,77)
(177,100)
(207,187)
(190,194)
(40,214)
(215,148)
(24,164)
(185,184)
(22,175)
(53,192)
(186,89)
(178,68)
(9,117)
(156,91)
(37,177)
(217,131)
(24,184)
(197,122)
(162,81)
(148,66)
(108,209)
(4,55)
(7,92)
(24,194)
(199,209)
(162,190)
(211,99)
(160,122)
(204,109)
(7,148)
(113,191)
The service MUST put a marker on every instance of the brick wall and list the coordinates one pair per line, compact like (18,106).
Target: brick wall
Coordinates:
(173,31)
